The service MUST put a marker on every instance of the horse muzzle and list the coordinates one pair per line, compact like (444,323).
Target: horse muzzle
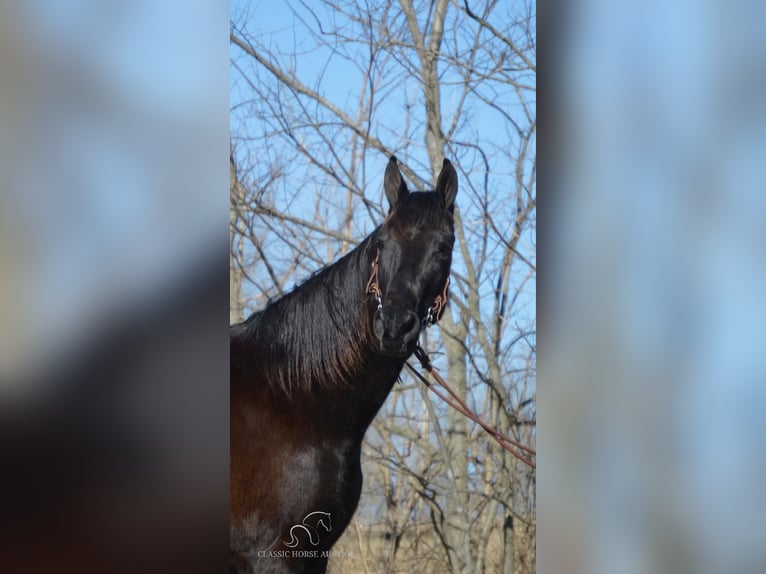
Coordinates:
(397,330)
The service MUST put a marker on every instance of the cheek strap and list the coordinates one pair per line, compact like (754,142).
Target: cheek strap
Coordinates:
(436,310)
(372,282)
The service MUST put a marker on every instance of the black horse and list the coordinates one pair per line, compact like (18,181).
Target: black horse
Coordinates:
(311,370)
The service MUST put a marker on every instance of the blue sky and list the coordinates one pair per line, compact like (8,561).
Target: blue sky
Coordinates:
(340,82)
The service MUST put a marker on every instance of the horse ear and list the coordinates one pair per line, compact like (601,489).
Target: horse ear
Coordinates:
(446,184)
(393,183)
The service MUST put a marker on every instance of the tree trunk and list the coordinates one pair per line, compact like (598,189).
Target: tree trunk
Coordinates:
(508,545)
(235,273)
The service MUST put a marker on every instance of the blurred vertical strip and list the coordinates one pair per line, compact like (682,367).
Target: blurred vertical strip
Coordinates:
(652,394)
(114,203)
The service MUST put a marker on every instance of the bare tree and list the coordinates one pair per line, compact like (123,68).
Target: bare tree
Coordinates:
(432,80)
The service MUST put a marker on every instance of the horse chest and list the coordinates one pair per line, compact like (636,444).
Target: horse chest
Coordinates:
(324,478)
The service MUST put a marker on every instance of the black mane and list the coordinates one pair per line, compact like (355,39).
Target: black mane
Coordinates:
(328,348)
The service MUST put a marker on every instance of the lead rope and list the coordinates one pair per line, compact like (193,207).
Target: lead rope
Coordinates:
(433,315)
(460,406)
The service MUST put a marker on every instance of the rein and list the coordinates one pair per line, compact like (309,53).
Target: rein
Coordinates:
(433,315)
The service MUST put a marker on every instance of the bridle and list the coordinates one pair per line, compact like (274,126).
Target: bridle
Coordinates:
(434,313)
(435,310)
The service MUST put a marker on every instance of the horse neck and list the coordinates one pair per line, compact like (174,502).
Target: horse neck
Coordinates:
(368,375)
(315,345)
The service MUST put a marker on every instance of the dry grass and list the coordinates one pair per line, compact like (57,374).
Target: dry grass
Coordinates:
(370,549)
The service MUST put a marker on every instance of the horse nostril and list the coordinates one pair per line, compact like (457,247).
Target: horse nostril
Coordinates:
(410,326)
(378,326)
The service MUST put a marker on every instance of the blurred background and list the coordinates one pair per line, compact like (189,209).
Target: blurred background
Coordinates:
(652,395)
(113,286)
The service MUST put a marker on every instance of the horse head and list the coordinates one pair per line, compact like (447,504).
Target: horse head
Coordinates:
(410,258)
